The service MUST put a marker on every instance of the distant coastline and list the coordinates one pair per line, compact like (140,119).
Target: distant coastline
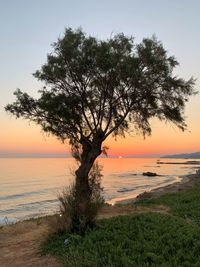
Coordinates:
(195,155)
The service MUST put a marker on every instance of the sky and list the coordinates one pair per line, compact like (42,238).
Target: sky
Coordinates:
(28,28)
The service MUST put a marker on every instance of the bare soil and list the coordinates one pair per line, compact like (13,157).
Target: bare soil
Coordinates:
(19,245)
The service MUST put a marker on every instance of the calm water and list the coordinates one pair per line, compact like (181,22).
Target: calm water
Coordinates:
(29,187)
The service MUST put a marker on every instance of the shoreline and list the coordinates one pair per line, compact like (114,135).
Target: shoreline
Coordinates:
(132,197)
(12,220)
(187,181)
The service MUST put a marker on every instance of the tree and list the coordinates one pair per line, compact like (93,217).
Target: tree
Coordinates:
(95,88)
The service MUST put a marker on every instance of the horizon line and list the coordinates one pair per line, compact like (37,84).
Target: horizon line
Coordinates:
(68,155)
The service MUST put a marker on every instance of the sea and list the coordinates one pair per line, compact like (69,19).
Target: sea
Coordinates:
(29,187)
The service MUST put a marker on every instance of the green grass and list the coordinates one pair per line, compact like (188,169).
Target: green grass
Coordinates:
(185,204)
(138,240)
(142,240)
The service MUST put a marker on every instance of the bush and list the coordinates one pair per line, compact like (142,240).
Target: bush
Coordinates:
(68,204)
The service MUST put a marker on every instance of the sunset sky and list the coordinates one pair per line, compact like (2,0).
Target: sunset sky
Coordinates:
(28,28)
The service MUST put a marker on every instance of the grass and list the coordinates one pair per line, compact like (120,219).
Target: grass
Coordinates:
(138,240)
(185,204)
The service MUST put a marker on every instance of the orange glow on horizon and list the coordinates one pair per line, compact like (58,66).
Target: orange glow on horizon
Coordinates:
(20,137)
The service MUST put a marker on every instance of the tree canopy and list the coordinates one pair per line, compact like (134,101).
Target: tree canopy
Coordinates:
(101,87)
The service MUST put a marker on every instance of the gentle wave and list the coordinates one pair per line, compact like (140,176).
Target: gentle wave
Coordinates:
(125,189)
(28,194)
(30,205)
(38,202)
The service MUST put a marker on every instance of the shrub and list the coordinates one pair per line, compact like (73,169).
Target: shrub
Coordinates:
(68,203)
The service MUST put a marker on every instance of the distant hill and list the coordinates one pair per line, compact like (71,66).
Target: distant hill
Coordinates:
(195,155)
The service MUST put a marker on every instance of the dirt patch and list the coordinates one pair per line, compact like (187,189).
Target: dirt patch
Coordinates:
(116,210)
(19,245)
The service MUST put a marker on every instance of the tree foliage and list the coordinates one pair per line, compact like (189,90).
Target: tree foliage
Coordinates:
(102,87)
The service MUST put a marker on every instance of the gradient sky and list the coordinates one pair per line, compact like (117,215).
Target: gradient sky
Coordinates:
(27,28)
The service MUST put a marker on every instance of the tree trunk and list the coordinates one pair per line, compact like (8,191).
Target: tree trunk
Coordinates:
(82,218)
